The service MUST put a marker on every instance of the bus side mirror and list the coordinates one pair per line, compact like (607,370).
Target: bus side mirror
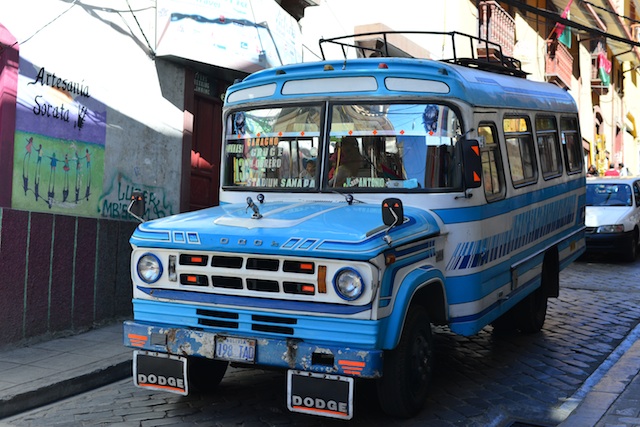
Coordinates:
(472,162)
(136,206)
(392,212)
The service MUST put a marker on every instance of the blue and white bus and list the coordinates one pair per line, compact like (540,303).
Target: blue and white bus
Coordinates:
(362,201)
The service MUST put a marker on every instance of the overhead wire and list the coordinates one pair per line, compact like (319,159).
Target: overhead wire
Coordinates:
(3,47)
(152,52)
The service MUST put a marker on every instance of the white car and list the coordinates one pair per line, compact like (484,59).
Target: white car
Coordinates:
(613,215)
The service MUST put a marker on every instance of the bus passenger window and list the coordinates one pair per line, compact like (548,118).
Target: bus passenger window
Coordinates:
(520,151)
(548,148)
(572,145)
(493,176)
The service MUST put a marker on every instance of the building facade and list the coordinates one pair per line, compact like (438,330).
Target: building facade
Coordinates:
(103,98)
(588,48)
(100,99)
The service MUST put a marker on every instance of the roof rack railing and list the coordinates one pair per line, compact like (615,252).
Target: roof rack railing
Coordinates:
(492,60)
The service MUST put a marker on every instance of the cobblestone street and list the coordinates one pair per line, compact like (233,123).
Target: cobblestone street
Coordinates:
(484,380)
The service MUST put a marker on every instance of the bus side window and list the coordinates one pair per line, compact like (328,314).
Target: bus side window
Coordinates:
(520,151)
(493,175)
(572,145)
(548,147)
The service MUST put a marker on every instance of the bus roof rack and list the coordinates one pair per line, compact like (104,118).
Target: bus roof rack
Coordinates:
(380,44)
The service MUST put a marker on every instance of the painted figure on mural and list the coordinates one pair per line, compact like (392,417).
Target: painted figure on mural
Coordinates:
(40,151)
(66,168)
(25,164)
(78,175)
(52,178)
(87,155)
(27,155)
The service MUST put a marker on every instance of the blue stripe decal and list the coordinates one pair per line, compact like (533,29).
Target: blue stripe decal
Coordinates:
(480,314)
(476,213)
(527,228)
(473,287)
(200,297)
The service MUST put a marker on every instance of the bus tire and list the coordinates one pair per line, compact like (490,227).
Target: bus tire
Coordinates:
(204,375)
(531,312)
(505,324)
(402,390)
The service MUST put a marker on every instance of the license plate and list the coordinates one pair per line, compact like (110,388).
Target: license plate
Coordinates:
(320,394)
(235,349)
(159,371)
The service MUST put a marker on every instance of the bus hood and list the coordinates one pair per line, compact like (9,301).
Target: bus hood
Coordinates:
(320,229)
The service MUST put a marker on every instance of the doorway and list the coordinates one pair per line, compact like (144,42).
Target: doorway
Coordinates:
(205,152)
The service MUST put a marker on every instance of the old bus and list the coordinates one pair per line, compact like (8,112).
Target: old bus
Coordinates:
(362,201)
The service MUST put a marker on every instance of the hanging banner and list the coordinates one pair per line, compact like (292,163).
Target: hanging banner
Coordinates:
(244,35)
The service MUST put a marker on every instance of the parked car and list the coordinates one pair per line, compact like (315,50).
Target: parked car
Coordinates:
(613,215)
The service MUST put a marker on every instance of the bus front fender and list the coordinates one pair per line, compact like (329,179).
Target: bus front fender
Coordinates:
(423,286)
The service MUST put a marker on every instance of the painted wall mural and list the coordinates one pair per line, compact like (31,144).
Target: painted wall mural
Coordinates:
(117,196)
(59,144)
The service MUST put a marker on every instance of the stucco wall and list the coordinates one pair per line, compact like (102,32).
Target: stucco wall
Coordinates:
(96,117)
(120,126)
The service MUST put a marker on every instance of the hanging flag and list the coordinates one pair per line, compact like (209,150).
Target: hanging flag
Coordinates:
(604,68)
(563,34)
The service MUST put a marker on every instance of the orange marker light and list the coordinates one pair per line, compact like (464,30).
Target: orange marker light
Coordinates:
(322,279)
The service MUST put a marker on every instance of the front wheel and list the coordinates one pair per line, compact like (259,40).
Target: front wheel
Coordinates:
(631,252)
(403,388)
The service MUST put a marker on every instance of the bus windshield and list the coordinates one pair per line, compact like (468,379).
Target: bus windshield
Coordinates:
(369,147)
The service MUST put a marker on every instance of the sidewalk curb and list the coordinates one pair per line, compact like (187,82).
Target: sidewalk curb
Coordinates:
(66,388)
(597,400)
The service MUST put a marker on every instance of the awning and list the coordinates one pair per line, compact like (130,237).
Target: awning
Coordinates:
(600,15)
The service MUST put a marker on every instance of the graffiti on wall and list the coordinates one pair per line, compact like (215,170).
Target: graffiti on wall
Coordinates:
(115,200)
(59,144)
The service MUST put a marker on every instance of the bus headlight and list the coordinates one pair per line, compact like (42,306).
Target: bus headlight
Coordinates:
(348,284)
(149,268)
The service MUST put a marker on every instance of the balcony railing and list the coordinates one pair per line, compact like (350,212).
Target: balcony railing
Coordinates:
(597,85)
(559,64)
(497,26)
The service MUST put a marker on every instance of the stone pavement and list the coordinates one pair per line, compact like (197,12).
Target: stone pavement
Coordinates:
(42,373)
(614,398)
